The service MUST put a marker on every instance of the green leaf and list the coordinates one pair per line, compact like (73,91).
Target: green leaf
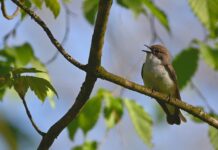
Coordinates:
(90,8)
(39,86)
(141,121)
(93,145)
(72,128)
(158,13)
(213,135)
(90,114)
(206,11)
(87,118)
(19,71)
(38,3)
(21,86)
(185,65)
(113,111)
(209,54)
(21,55)
(136,6)
(54,6)
(2,93)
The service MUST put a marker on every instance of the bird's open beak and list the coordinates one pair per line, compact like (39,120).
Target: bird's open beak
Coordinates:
(147,50)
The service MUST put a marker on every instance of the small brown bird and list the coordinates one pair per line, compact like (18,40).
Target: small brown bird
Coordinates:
(159,75)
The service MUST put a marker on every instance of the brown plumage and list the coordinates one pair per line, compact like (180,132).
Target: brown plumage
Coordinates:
(174,116)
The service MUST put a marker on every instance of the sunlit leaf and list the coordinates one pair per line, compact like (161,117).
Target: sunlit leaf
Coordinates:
(141,121)
(90,8)
(136,6)
(88,145)
(87,118)
(38,3)
(26,70)
(21,55)
(113,111)
(210,55)
(213,135)
(54,6)
(206,11)
(89,115)
(185,65)
(39,86)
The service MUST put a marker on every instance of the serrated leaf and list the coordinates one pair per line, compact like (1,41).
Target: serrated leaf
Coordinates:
(93,145)
(90,8)
(89,115)
(206,11)
(213,135)
(38,3)
(141,121)
(39,86)
(158,13)
(185,65)
(209,54)
(54,6)
(113,110)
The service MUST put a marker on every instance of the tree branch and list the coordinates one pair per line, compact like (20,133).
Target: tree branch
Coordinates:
(87,87)
(30,117)
(197,112)
(93,70)
(3,8)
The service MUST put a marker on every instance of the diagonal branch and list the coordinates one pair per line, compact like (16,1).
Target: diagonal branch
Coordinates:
(197,112)
(88,85)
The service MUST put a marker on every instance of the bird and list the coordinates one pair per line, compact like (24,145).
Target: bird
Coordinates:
(159,75)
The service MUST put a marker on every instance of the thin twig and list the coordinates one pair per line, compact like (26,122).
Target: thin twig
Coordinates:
(66,34)
(50,35)
(30,117)
(4,12)
(11,32)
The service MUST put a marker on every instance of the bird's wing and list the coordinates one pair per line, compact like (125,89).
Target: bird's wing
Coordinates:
(172,74)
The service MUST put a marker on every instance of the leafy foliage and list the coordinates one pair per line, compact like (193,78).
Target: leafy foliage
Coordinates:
(188,58)
(87,146)
(206,11)
(141,121)
(90,8)
(113,110)
(12,63)
(137,6)
(39,86)
(213,135)
(209,54)
(54,6)
(87,118)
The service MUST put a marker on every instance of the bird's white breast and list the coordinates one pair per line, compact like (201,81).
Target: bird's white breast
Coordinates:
(155,75)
